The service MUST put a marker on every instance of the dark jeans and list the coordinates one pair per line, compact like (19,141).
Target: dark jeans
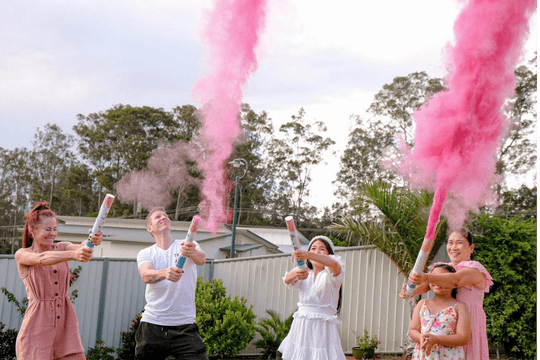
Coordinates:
(158,342)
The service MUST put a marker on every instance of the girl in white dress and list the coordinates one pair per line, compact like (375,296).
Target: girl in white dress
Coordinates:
(314,334)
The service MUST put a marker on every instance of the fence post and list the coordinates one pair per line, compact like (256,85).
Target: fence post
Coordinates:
(102,298)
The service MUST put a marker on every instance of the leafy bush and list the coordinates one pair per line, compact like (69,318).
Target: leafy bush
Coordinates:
(21,306)
(273,331)
(508,251)
(226,326)
(127,350)
(7,343)
(100,352)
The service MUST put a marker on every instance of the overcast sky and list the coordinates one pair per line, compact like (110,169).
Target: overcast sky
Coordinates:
(61,58)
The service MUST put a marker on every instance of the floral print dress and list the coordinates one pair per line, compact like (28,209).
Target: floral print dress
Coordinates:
(443,323)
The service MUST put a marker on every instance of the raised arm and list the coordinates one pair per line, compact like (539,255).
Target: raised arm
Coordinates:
(463,277)
(26,257)
(326,260)
(190,250)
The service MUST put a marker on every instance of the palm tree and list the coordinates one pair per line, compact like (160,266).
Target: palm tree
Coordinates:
(401,226)
(403,217)
(399,229)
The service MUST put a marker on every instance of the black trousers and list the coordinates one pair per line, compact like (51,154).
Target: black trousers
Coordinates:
(183,342)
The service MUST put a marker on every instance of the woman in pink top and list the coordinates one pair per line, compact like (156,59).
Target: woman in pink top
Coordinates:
(50,329)
(472,280)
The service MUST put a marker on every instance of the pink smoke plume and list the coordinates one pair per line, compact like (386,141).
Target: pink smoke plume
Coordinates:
(167,171)
(459,130)
(231,35)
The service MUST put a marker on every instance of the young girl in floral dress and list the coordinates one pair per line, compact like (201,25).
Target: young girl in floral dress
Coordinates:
(441,326)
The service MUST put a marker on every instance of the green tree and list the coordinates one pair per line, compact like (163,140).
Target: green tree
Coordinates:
(361,160)
(15,185)
(51,159)
(520,203)
(405,94)
(517,154)
(77,190)
(188,122)
(254,188)
(291,158)
(121,139)
(507,248)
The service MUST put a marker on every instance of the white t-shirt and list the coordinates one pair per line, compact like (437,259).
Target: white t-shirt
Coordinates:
(169,303)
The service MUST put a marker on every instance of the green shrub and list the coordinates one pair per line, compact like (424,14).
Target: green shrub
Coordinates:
(100,352)
(21,306)
(273,331)
(226,326)
(508,251)
(127,350)
(7,343)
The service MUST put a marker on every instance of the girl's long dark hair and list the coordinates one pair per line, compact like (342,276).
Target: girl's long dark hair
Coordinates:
(310,266)
(41,210)
(451,269)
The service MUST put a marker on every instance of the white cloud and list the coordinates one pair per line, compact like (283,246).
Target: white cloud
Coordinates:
(32,80)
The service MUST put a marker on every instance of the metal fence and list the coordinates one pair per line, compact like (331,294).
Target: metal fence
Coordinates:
(111,292)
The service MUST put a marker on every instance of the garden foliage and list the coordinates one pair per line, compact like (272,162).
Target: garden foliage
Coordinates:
(273,331)
(226,326)
(127,350)
(508,251)
(8,337)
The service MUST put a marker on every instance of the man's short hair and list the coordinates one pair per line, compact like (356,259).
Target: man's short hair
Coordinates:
(154,209)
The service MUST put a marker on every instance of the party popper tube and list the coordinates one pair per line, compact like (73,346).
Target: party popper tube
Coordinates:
(294,238)
(189,237)
(429,239)
(100,219)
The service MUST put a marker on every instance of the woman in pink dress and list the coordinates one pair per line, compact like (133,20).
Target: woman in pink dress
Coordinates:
(472,280)
(50,329)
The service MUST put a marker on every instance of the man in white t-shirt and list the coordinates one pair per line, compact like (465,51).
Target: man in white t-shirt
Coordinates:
(168,325)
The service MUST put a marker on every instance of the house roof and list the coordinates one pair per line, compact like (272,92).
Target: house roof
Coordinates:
(134,230)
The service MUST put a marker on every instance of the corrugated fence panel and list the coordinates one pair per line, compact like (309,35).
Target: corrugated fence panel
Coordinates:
(111,292)
(87,303)
(125,298)
(9,279)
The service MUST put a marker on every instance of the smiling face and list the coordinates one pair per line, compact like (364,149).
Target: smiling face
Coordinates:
(458,248)
(45,232)
(158,222)
(318,247)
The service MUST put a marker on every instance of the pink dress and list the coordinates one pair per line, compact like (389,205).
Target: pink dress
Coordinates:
(477,348)
(50,328)
(443,323)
